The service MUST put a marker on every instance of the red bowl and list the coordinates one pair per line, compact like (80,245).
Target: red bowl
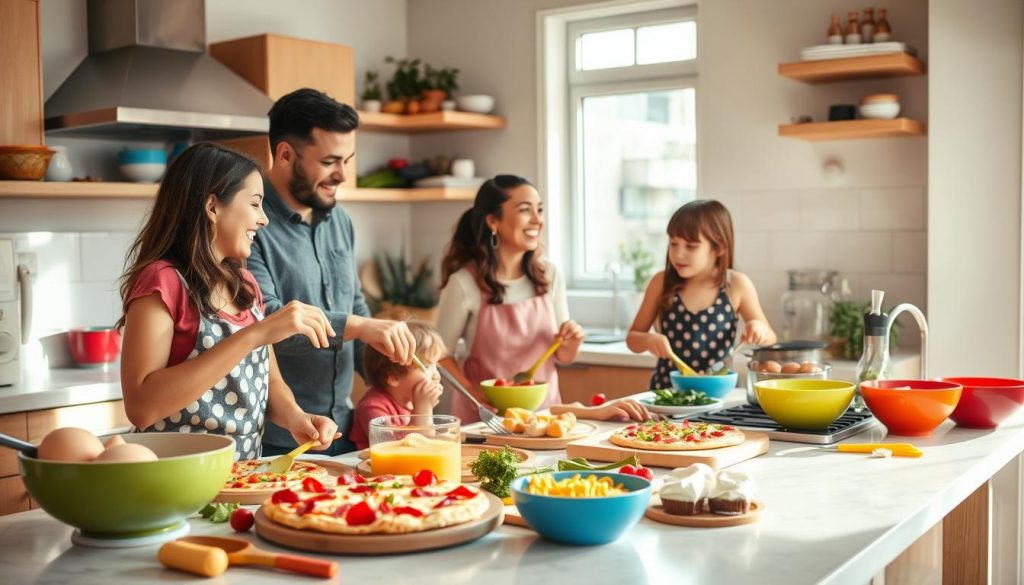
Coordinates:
(911,408)
(986,402)
(94,345)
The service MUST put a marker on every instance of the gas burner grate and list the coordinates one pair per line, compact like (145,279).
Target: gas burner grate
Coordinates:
(752,417)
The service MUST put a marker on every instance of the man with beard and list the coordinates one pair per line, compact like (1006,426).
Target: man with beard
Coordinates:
(306,253)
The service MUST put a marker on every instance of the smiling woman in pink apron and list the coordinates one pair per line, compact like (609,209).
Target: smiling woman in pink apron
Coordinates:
(197,349)
(500,296)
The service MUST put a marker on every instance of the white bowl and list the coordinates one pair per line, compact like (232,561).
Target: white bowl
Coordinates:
(143,172)
(481,104)
(880,110)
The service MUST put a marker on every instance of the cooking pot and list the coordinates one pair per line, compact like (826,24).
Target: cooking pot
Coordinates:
(791,351)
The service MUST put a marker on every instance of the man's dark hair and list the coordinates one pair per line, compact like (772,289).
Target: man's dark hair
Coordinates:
(295,115)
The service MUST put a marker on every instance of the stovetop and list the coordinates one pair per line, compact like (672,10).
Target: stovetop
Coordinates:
(752,417)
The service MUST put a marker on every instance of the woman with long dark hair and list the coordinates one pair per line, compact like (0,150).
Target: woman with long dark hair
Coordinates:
(500,296)
(197,351)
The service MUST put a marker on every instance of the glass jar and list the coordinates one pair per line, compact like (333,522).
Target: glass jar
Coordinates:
(807,303)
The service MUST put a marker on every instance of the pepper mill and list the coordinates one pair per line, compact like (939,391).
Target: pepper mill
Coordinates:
(882,30)
(852,29)
(835,31)
(867,26)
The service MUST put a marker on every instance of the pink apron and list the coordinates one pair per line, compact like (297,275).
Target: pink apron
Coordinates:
(509,339)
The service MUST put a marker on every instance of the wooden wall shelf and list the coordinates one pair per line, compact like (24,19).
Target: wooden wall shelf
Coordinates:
(432,122)
(101,190)
(852,129)
(872,66)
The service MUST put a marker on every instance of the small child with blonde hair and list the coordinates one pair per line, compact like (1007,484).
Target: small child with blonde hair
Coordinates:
(394,389)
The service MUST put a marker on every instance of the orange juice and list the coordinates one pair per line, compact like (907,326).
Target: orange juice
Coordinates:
(416,452)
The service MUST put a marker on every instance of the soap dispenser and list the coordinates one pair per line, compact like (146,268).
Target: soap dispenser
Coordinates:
(874,361)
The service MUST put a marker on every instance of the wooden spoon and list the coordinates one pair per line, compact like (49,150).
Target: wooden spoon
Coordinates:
(184,555)
(529,374)
(681,365)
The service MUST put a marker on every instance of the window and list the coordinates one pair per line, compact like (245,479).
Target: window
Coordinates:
(632,156)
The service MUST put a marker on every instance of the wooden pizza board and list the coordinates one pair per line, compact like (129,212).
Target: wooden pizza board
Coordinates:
(599,448)
(513,517)
(705,519)
(380,544)
(334,469)
(581,430)
(469,454)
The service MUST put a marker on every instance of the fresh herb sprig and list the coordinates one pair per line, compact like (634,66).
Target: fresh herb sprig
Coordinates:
(497,469)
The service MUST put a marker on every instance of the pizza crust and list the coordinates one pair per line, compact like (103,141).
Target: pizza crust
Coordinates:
(300,470)
(718,443)
(731,437)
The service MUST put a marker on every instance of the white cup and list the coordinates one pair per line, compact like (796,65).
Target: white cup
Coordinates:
(463,168)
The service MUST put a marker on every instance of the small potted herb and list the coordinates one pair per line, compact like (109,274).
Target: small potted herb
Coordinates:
(398,289)
(371,95)
(405,86)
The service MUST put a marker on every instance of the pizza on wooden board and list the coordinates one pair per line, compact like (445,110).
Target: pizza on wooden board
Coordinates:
(245,478)
(385,504)
(670,436)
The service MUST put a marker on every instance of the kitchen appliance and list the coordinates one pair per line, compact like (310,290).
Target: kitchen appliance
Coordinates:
(798,351)
(15,311)
(808,302)
(751,417)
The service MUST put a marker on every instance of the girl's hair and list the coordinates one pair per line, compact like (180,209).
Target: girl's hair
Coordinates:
(703,217)
(179,231)
(471,242)
(378,368)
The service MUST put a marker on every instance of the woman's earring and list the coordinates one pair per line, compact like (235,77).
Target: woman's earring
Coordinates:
(213,238)
(494,240)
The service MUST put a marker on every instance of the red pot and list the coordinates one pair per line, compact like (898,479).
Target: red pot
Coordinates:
(94,345)
(986,402)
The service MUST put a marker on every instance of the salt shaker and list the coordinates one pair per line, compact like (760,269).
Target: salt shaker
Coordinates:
(852,29)
(882,30)
(835,31)
(867,26)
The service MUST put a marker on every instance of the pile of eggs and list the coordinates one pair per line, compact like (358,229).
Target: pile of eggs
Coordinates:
(75,445)
(774,367)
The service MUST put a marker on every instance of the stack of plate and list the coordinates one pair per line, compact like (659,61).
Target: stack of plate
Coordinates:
(451,181)
(819,52)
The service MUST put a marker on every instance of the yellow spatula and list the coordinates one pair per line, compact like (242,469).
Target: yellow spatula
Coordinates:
(681,365)
(532,372)
(898,449)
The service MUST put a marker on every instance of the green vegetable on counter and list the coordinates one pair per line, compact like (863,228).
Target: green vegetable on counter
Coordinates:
(686,398)
(581,464)
(497,469)
(218,512)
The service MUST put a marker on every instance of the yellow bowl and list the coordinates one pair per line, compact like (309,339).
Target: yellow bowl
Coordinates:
(804,404)
(505,397)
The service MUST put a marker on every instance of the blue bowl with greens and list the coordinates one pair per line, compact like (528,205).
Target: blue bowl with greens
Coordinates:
(713,386)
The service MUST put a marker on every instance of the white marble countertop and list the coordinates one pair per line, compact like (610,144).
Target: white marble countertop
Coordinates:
(829,518)
(42,387)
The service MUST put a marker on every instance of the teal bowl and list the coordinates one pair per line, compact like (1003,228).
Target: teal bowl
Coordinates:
(133,499)
(583,521)
(713,386)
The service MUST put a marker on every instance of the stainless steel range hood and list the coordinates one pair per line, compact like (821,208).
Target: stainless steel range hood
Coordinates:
(148,76)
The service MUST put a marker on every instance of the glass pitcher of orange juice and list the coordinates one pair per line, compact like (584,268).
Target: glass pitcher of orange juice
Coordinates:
(406,444)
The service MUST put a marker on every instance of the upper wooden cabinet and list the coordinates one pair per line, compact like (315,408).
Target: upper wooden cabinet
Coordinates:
(21,79)
(278,65)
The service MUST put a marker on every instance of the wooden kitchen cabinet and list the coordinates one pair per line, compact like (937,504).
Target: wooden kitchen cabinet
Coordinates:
(278,65)
(578,382)
(21,79)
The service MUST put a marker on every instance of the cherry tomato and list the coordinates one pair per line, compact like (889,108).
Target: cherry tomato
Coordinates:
(284,496)
(397,164)
(500,382)
(598,399)
(241,520)
(424,477)
(627,469)
(360,514)
(645,472)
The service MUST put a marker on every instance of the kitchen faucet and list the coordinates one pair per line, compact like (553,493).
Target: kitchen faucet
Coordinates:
(922,325)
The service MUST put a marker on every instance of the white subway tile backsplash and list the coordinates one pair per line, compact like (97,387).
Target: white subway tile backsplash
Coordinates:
(793,251)
(770,285)
(91,304)
(910,252)
(830,210)
(893,209)
(103,255)
(751,251)
(769,211)
(860,251)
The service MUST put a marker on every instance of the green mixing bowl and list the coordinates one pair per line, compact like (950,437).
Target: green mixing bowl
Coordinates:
(128,500)
(505,397)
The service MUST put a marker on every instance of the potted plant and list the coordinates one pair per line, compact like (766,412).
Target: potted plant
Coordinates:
(438,85)
(846,325)
(393,288)
(371,95)
(405,85)
(636,256)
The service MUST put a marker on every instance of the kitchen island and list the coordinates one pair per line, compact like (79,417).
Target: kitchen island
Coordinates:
(829,518)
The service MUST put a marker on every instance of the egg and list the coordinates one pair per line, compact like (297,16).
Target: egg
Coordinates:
(70,444)
(771,366)
(128,452)
(790,368)
(809,368)
(112,441)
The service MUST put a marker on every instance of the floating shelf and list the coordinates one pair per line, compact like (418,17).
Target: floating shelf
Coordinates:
(852,129)
(432,122)
(872,66)
(102,190)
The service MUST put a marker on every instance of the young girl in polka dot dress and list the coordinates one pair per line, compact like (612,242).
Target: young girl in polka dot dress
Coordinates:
(197,355)
(694,302)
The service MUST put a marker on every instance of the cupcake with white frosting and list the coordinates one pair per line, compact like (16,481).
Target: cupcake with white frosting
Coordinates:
(686,488)
(732,493)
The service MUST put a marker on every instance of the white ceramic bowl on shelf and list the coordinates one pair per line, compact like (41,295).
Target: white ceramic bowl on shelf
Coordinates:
(480,104)
(880,110)
(143,172)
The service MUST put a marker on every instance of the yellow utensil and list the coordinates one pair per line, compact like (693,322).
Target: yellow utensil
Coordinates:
(898,449)
(529,374)
(681,365)
(419,364)
(283,463)
(210,556)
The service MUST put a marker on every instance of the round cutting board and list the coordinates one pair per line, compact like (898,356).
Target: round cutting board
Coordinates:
(381,544)
(469,454)
(705,519)
(582,429)
(334,469)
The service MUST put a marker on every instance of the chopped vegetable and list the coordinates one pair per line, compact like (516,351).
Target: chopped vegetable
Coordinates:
(218,512)
(685,398)
(581,464)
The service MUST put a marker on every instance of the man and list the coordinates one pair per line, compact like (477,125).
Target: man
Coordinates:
(307,253)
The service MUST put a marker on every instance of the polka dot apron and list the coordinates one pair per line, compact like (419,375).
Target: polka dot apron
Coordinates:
(236,405)
(700,338)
